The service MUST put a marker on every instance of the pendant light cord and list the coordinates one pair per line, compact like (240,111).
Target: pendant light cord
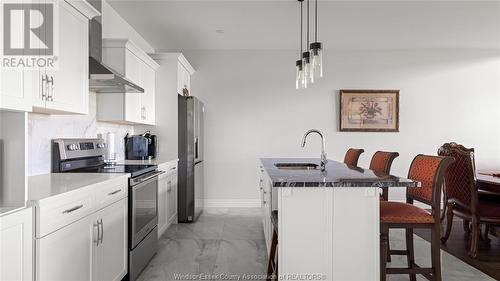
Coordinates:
(307,18)
(301,27)
(316,21)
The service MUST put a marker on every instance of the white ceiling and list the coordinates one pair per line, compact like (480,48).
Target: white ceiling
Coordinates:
(191,25)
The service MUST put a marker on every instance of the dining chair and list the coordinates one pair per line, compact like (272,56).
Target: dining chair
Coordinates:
(352,156)
(462,199)
(381,163)
(429,171)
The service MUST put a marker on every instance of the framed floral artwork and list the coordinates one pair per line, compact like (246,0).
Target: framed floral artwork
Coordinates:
(369,110)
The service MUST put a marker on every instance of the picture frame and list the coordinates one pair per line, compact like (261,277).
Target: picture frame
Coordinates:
(369,111)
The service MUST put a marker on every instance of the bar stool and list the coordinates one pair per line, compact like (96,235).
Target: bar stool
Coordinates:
(272,266)
(430,171)
(352,156)
(381,163)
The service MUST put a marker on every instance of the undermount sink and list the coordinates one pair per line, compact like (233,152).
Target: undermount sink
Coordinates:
(297,166)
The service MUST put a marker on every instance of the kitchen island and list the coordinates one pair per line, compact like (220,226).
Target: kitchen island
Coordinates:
(328,220)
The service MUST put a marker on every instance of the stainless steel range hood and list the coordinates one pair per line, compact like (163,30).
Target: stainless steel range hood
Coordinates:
(102,78)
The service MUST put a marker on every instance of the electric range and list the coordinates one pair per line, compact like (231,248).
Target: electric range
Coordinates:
(87,156)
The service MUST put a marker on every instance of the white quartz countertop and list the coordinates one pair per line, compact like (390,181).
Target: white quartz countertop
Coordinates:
(6,210)
(48,185)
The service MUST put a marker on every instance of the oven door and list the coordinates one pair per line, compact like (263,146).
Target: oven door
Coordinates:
(143,206)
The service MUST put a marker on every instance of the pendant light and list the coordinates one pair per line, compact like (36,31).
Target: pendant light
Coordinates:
(306,56)
(316,48)
(299,70)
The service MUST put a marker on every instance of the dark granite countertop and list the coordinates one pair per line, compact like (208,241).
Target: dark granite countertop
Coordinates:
(336,174)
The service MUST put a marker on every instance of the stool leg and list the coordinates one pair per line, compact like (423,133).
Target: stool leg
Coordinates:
(389,259)
(411,251)
(436,252)
(272,267)
(384,245)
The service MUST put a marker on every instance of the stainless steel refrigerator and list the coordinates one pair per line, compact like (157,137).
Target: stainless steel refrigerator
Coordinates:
(190,174)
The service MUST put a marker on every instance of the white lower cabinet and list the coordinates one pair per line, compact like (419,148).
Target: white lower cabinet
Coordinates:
(110,255)
(172,199)
(66,254)
(16,246)
(162,204)
(167,196)
(93,248)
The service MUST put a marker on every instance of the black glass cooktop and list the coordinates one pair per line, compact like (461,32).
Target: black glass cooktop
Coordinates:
(134,170)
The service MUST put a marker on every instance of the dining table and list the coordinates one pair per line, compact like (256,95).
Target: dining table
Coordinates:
(488,181)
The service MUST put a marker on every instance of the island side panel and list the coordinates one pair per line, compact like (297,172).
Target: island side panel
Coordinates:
(356,234)
(330,232)
(305,217)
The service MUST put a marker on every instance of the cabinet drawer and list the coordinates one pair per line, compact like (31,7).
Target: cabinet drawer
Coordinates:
(58,214)
(172,170)
(109,193)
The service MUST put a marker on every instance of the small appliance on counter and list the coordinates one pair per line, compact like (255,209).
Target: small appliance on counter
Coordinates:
(152,144)
(140,147)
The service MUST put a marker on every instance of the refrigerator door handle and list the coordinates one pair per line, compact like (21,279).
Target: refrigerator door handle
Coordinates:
(195,148)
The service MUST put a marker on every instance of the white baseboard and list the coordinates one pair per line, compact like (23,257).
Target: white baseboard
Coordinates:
(232,203)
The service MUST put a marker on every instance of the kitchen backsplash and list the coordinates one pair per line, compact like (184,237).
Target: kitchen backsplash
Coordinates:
(43,128)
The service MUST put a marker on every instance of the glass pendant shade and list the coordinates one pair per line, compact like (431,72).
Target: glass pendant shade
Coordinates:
(317,59)
(299,75)
(306,66)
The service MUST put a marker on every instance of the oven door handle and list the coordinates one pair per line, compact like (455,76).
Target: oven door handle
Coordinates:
(141,180)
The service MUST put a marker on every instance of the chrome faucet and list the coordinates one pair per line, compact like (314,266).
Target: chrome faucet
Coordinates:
(323,154)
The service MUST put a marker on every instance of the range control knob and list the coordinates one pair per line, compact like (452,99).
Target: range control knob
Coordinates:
(101,145)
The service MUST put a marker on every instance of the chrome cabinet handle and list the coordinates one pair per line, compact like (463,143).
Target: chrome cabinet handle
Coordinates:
(52,87)
(114,192)
(102,231)
(173,168)
(96,240)
(45,86)
(72,209)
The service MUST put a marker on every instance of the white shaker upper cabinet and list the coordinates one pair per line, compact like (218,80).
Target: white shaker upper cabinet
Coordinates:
(133,63)
(12,93)
(63,89)
(184,70)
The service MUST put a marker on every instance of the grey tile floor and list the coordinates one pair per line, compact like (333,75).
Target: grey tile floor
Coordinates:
(225,244)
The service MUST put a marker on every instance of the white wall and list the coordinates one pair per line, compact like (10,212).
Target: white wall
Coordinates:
(253,110)
(114,26)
